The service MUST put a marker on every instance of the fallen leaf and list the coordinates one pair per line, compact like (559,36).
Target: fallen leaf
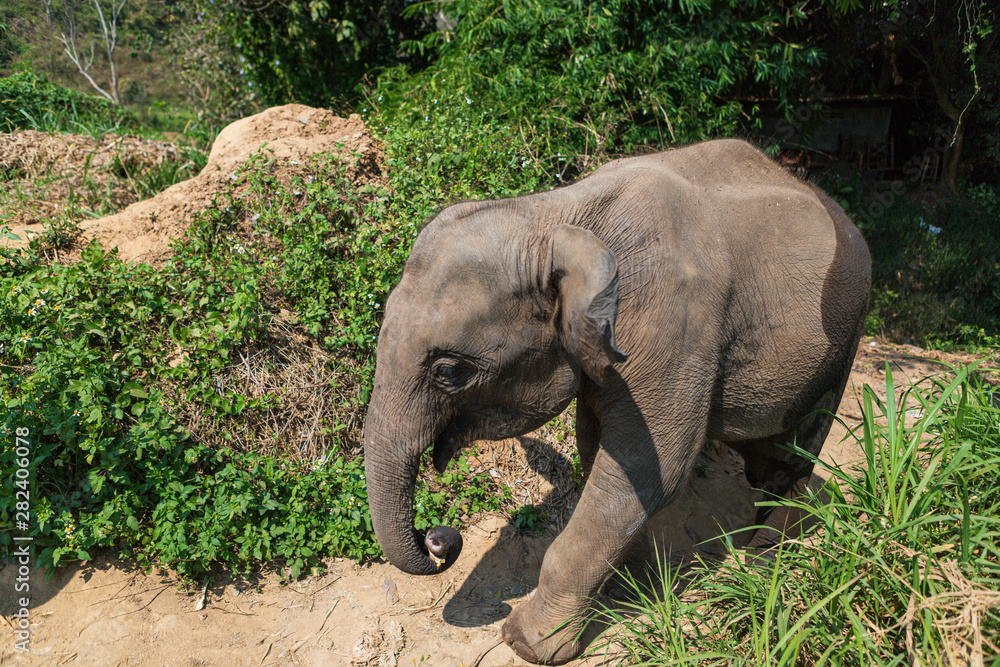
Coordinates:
(389,588)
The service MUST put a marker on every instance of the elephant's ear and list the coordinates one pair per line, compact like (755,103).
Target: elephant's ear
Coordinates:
(585,276)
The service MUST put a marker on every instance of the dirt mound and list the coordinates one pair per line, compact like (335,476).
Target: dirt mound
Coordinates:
(47,172)
(144,230)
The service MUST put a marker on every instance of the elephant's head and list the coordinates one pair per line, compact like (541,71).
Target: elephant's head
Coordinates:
(485,337)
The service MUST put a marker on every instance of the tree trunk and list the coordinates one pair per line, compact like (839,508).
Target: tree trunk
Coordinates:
(952,158)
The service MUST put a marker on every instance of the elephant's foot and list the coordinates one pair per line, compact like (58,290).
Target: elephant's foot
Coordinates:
(536,640)
(763,549)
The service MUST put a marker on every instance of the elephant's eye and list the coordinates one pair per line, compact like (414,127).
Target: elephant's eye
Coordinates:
(450,373)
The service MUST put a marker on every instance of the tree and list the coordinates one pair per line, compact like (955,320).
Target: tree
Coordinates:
(953,45)
(108,25)
(316,51)
(582,79)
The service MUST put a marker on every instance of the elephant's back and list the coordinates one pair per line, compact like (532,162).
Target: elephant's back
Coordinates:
(756,273)
(722,163)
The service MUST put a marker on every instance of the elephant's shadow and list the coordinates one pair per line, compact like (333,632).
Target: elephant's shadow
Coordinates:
(717,506)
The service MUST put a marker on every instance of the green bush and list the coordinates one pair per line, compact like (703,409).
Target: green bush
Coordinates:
(313,52)
(935,268)
(29,102)
(116,460)
(575,81)
(936,273)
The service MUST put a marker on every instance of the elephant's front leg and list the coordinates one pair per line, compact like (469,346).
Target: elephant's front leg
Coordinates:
(617,499)
(588,437)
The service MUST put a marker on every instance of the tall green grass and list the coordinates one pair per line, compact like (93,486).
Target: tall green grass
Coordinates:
(901,566)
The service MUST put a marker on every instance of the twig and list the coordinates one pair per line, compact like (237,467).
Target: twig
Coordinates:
(414,610)
(321,626)
(475,663)
(204,592)
(326,585)
(145,605)
(332,607)
(266,653)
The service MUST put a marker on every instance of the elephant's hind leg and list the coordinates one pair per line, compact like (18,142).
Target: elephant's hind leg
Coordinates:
(773,467)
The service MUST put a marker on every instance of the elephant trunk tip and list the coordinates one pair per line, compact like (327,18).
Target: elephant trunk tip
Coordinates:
(444,544)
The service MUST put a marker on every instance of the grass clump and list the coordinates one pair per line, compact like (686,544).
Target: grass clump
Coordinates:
(902,565)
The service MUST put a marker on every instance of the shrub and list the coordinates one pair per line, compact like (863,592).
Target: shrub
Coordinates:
(935,267)
(317,52)
(125,380)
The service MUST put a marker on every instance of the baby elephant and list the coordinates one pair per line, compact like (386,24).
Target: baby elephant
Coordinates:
(701,293)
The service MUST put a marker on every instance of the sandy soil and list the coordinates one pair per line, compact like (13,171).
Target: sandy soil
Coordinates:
(111,613)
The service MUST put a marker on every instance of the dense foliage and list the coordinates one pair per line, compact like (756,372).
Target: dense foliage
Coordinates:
(946,60)
(314,52)
(936,266)
(577,81)
(101,361)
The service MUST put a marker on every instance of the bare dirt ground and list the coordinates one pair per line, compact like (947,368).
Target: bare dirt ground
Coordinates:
(110,612)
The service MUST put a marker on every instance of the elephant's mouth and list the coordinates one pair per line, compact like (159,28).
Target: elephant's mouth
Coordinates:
(498,424)
(453,438)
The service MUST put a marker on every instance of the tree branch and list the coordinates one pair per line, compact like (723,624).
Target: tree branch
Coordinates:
(110,30)
(69,45)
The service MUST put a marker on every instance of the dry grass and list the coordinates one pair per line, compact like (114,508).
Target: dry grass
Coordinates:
(958,617)
(44,172)
(312,399)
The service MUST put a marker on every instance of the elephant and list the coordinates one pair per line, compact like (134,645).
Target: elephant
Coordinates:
(694,295)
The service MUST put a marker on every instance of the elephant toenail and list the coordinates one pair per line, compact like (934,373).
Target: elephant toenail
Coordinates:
(524,652)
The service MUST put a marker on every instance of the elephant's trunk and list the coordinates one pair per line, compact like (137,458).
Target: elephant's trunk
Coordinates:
(392,460)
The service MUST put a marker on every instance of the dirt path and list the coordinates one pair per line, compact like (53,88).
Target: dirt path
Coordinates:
(111,613)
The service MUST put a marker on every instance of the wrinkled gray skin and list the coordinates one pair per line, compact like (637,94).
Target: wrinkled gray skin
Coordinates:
(701,293)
